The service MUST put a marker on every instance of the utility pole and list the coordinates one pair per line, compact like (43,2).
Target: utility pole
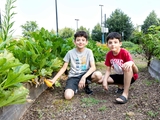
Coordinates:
(56,17)
(0,20)
(102,27)
(77,23)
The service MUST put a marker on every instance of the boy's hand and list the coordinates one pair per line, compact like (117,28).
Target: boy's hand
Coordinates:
(127,65)
(105,85)
(51,81)
(82,83)
(48,83)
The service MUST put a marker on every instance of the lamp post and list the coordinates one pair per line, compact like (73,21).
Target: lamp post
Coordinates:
(0,20)
(56,17)
(101,14)
(77,23)
(102,27)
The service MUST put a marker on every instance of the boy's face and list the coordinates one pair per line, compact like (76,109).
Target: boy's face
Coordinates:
(80,42)
(114,45)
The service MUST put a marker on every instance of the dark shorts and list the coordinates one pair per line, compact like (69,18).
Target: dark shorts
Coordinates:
(72,82)
(119,79)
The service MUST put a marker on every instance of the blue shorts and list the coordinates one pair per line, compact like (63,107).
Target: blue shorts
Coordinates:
(119,79)
(72,82)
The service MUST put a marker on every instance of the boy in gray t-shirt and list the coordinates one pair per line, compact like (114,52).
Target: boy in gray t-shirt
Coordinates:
(82,67)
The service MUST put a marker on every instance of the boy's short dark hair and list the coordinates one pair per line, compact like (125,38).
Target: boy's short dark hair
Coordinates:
(80,34)
(113,35)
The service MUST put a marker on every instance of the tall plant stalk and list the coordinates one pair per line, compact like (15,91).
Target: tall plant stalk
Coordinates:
(6,24)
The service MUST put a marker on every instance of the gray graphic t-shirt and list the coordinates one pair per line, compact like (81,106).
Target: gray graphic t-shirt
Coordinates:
(79,61)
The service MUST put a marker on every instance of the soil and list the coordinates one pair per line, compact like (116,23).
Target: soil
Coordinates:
(143,102)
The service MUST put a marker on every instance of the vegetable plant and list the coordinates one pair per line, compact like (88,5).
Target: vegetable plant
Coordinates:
(12,75)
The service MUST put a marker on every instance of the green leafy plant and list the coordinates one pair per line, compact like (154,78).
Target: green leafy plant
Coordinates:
(6,27)
(99,50)
(152,113)
(38,52)
(12,74)
(150,43)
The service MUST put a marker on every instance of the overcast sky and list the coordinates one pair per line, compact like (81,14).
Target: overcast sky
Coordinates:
(87,11)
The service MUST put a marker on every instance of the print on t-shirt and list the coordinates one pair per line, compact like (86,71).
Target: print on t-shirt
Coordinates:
(81,63)
(116,64)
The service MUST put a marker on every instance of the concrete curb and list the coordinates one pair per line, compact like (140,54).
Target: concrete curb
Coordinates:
(15,112)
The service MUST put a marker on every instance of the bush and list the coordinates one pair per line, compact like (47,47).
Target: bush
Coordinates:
(131,47)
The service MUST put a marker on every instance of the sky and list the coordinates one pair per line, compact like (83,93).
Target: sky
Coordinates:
(87,11)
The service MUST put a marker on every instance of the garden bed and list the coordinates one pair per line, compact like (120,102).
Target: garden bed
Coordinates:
(15,112)
(143,103)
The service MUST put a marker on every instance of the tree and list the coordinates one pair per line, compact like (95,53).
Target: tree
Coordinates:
(120,22)
(28,27)
(66,32)
(96,33)
(150,20)
(149,45)
(85,29)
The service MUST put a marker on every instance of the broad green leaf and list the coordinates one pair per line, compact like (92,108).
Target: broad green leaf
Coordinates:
(14,96)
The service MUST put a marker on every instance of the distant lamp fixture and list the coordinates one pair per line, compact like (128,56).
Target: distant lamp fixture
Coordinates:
(77,23)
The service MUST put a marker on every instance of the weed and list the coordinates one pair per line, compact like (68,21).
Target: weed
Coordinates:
(61,104)
(152,113)
(103,108)
(90,101)
(127,118)
(148,82)
(40,114)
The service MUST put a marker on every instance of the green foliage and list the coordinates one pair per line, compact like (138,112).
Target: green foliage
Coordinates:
(7,24)
(152,114)
(91,101)
(131,47)
(127,44)
(120,22)
(98,50)
(150,43)
(12,73)
(150,20)
(66,33)
(42,52)
(16,95)
(103,108)
(28,28)
(96,33)
(135,37)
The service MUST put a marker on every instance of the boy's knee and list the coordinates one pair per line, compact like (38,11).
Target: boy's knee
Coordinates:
(68,97)
(128,70)
(68,94)
(98,75)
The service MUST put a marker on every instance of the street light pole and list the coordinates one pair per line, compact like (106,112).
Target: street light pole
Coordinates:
(56,17)
(0,20)
(101,14)
(77,23)
(102,28)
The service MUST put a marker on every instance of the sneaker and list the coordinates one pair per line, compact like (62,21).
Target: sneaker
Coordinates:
(76,91)
(88,90)
(119,91)
(88,82)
